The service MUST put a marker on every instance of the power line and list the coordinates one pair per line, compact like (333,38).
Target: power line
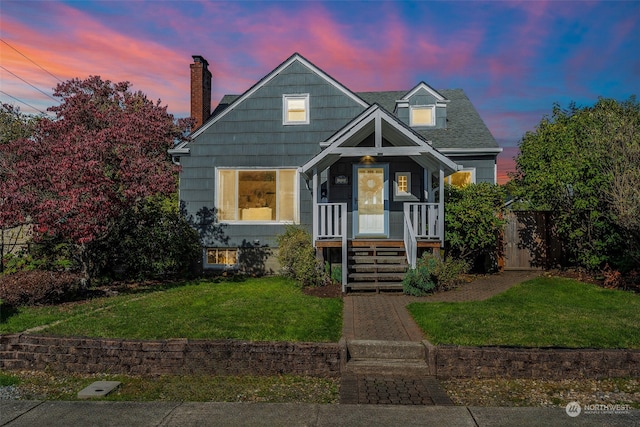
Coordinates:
(17,76)
(21,101)
(36,64)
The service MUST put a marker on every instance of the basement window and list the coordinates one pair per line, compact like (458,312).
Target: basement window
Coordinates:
(221,258)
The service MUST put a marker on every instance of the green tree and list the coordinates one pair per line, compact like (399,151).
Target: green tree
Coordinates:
(582,163)
(150,239)
(472,220)
(14,124)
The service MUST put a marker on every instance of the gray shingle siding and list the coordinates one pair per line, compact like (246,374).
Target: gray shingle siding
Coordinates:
(252,134)
(247,131)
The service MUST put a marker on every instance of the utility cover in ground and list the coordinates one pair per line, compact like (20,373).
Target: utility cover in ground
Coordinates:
(98,389)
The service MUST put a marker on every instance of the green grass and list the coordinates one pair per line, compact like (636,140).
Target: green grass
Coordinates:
(175,388)
(8,380)
(265,309)
(544,312)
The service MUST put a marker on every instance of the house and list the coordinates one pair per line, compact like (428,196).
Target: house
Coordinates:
(361,171)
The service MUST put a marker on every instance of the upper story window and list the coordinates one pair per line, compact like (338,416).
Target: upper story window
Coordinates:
(422,115)
(295,109)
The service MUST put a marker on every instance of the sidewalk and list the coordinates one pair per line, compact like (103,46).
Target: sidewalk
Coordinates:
(36,413)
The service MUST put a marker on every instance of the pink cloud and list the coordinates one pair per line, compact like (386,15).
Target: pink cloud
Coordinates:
(88,47)
(506,163)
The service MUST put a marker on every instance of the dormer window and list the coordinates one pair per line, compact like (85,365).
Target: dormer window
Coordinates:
(295,109)
(422,115)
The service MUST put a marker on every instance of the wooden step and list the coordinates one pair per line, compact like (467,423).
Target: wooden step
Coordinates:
(373,286)
(376,265)
(368,259)
(376,276)
(380,268)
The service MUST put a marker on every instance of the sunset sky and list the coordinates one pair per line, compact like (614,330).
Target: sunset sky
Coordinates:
(513,59)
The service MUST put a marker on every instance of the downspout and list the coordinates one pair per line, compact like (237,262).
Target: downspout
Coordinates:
(315,205)
(441,208)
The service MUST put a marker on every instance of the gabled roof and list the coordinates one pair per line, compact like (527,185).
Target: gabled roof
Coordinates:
(296,57)
(229,102)
(378,121)
(465,128)
(423,85)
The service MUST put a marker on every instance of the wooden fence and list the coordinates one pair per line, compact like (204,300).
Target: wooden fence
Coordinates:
(530,242)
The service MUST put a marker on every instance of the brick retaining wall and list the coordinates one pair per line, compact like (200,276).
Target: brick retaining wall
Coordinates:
(179,356)
(548,363)
(228,357)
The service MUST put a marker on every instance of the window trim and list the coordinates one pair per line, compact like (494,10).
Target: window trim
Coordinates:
(422,107)
(397,194)
(207,265)
(447,179)
(296,195)
(285,109)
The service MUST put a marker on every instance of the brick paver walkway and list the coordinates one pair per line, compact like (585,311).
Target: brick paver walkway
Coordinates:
(384,317)
(379,317)
(367,389)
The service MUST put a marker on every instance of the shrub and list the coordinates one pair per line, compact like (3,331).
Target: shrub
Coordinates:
(151,239)
(38,287)
(297,258)
(472,220)
(20,261)
(432,273)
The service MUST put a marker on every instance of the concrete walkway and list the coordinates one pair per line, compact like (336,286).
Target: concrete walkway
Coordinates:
(18,413)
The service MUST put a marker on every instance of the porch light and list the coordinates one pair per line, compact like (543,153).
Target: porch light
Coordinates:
(368,160)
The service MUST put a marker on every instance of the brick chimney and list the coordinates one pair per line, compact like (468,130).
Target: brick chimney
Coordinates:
(200,90)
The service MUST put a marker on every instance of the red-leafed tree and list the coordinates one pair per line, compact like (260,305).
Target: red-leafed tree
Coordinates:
(105,150)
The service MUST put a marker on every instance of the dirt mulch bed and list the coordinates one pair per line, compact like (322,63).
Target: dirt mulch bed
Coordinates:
(333,290)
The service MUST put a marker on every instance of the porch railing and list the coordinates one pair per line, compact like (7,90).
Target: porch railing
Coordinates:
(420,222)
(331,224)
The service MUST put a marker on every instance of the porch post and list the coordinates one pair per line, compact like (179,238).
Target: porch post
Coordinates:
(314,196)
(441,208)
(426,178)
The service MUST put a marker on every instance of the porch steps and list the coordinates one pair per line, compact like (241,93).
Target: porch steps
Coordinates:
(381,358)
(376,265)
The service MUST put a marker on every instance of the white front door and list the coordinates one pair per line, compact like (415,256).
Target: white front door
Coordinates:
(370,200)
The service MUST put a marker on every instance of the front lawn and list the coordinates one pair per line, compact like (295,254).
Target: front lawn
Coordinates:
(544,312)
(265,309)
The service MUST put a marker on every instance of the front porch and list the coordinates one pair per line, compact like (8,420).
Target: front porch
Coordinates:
(375,264)
(377,193)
